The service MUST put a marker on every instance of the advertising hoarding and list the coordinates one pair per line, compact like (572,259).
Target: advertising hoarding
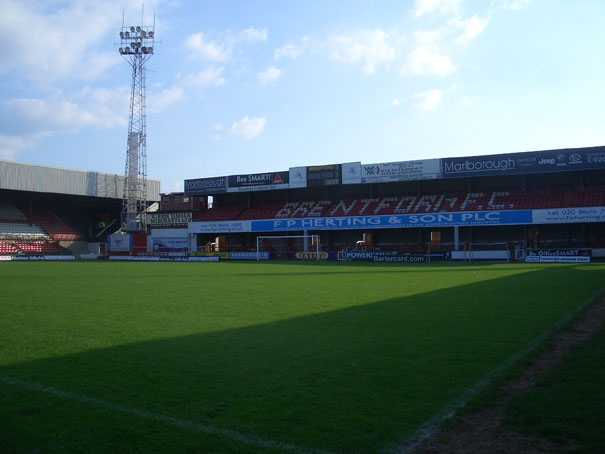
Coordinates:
(327,175)
(248,256)
(386,172)
(392,257)
(206,186)
(569,215)
(167,244)
(351,173)
(119,242)
(181,218)
(258,181)
(558,255)
(298,177)
(522,163)
(402,221)
(220,227)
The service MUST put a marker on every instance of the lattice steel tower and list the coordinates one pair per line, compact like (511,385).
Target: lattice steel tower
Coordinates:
(136,46)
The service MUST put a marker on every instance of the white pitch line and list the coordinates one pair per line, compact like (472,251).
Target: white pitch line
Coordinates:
(431,425)
(192,425)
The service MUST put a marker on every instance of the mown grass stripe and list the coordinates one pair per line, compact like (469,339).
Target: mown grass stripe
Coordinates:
(431,425)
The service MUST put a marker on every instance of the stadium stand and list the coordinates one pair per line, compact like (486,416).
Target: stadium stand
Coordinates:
(57,228)
(9,212)
(21,231)
(219,213)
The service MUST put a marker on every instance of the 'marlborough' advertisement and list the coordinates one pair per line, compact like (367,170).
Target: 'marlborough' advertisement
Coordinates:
(522,163)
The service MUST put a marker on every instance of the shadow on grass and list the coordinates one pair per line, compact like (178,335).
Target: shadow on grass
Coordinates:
(351,380)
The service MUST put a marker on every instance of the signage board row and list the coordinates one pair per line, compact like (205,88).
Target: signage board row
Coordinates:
(426,169)
(442,219)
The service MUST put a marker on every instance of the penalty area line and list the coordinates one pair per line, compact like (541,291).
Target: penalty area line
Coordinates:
(432,425)
(182,423)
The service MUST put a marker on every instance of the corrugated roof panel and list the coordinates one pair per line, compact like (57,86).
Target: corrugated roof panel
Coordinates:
(27,177)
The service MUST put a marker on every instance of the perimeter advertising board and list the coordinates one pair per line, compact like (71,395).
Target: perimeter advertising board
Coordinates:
(428,169)
(523,163)
(258,181)
(392,257)
(328,175)
(206,186)
(167,244)
(558,255)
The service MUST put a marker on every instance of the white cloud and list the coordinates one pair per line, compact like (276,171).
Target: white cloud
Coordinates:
(248,127)
(10,146)
(24,121)
(221,50)
(291,51)
(271,74)
(430,37)
(425,60)
(514,4)
(427,100)
(168,96)
(368,46)
(202,47)
(61,38)
(395,102)
(217,127)
(470,28)
(422,7)
(252,35)
(211,76)
(62,113)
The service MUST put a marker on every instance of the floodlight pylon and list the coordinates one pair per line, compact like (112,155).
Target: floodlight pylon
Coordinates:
(136,47)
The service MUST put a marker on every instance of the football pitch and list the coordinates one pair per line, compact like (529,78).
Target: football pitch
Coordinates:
(267,357)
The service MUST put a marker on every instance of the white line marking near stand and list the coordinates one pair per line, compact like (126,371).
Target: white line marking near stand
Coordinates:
(226,433)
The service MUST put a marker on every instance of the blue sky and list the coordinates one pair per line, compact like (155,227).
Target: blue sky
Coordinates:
(254,86)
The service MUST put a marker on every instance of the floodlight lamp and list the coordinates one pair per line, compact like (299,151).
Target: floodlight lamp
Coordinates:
(138,29)
(121,51)
(122,35)
(150,50)
(132,29)
(144,49)
(151,35)
(127,34)
(143,34)
(127,50)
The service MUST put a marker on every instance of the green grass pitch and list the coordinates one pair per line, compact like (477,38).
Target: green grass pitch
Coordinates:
(257,357)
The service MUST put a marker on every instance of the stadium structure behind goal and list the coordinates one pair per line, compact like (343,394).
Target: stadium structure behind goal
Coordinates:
(282,245)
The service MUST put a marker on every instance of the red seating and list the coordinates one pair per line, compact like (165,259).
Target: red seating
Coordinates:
(37,247)
(219,213)
(7,248)
(58,229)
(409,204)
